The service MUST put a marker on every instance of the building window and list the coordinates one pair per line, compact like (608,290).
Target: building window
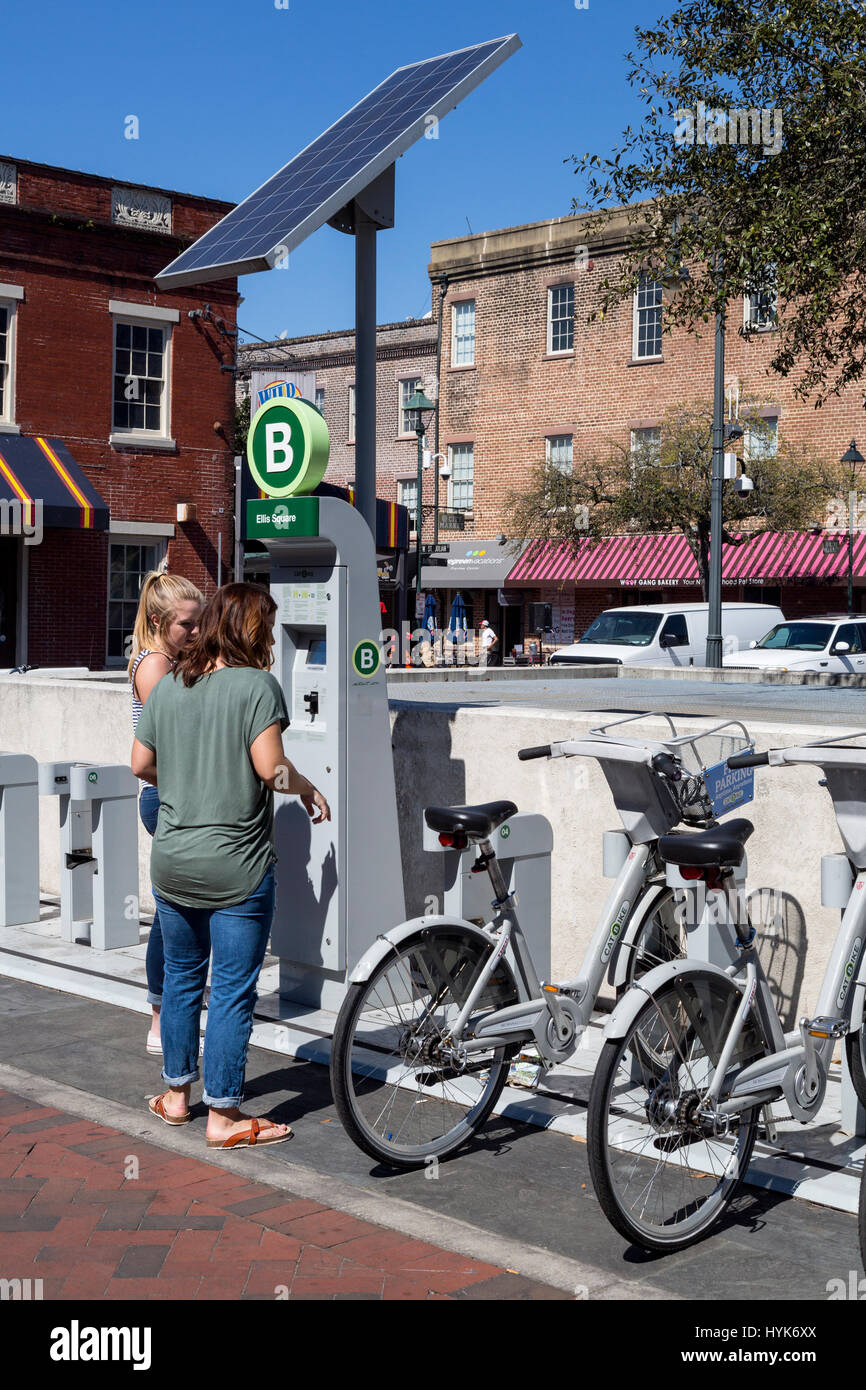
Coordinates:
(320,398)
(760,440)
(128,563)
(646,444)
(140,378)
(462,458)
(351,435)
(408,418)
(759,307)
(558,451)
(463,334)
(560,318)
(647,319)
(7,383)
(407,496)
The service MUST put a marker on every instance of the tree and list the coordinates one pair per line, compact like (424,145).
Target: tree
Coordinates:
(242,425)
(748,166)
(659,489)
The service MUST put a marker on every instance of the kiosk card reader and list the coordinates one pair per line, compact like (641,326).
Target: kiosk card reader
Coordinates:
(339,884)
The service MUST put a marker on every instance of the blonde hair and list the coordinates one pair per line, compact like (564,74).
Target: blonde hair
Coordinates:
(159,598)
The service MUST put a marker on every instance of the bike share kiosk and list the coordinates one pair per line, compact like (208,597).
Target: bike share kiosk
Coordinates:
(340,883)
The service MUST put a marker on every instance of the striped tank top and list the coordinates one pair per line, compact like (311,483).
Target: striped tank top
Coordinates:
(137,705)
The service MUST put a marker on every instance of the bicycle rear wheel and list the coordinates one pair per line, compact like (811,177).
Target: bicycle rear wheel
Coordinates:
(664,1163)
(401,1094)
(661,937)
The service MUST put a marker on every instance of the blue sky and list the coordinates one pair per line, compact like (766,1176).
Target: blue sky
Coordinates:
(227,91)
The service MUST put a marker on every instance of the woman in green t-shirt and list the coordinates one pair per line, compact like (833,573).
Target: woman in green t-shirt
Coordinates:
(211,735)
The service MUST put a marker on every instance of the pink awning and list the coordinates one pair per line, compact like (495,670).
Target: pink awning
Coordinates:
(770,558)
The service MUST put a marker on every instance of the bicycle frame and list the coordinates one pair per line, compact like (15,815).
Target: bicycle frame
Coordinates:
(554,1015)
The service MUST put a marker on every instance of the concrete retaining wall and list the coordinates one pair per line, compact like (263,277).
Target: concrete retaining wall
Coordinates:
(451,757)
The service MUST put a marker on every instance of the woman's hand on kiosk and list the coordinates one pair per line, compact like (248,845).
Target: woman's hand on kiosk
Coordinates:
(314,801)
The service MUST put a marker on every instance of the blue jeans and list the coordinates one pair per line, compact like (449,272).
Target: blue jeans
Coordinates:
(154,963)
(237,937)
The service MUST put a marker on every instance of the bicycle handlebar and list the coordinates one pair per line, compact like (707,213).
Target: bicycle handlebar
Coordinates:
(667,766)
(542,751)
(749,760)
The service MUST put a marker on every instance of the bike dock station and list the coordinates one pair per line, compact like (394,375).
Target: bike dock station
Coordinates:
(98,822)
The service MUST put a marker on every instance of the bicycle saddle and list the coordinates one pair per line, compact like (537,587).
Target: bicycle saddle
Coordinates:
(721,845)
(477,821)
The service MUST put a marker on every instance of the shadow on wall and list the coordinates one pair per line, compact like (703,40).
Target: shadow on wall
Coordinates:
(308,884)
(426,775)
(780,923)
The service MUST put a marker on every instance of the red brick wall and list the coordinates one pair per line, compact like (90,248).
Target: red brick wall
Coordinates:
(67,599)
(70,270)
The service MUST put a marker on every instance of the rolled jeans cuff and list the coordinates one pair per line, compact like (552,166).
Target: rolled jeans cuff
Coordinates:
(181,1080)
(225,1103)
(154,999)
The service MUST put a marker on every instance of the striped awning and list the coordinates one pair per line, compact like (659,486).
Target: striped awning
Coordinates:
(41,482)
(773,557)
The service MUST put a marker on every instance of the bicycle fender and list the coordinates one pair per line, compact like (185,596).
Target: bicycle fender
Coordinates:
(619,965)
(378,949)
(633,1001)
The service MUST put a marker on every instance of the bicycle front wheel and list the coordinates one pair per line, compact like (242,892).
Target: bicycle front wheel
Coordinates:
(664,1162)
(855,1044)
(403,1094)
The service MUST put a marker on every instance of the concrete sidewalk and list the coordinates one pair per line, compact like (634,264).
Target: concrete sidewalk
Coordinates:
(518,1198)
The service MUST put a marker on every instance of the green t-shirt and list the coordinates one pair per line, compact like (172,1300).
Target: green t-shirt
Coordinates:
(214,839)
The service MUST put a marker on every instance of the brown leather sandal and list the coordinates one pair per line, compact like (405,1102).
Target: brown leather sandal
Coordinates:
(156,1106)
(249,1138)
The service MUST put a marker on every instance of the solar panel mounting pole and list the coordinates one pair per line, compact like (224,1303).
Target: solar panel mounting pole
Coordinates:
(368,213)
(365,368)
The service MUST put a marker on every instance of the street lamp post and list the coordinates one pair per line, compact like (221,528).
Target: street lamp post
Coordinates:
(420,404)
(852,457)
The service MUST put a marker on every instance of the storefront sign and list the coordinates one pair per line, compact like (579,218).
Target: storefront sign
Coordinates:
(265,384)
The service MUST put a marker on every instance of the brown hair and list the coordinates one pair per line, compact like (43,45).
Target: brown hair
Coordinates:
(234,628)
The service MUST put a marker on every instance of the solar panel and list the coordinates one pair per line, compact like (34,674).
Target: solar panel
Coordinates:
(336,167)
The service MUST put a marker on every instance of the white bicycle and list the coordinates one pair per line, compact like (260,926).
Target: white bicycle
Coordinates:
(439,1006)
(670,1145)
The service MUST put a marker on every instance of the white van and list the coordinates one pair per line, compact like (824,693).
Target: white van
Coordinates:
(665,634)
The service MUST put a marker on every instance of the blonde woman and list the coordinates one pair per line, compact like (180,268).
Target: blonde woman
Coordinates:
(169,609)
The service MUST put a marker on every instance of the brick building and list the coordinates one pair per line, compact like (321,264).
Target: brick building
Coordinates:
(524,377)
(116,406)
(406,356)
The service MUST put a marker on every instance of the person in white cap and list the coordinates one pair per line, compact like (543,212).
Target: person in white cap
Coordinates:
(489,643)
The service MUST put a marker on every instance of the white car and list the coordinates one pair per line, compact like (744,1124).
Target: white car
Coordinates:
(831,643)
(664,634)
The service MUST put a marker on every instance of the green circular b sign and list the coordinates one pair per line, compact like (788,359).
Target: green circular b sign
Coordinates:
(287,447)
(366,658)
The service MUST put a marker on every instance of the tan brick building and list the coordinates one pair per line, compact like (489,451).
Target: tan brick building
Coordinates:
(405,356)
(525,376)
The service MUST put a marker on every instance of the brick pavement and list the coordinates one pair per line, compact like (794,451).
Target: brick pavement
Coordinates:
(98,1214)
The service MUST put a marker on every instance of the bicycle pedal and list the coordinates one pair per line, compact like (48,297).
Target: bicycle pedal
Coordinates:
(827,1027)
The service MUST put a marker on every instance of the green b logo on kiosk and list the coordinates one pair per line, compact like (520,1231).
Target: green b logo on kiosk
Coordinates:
(287,447)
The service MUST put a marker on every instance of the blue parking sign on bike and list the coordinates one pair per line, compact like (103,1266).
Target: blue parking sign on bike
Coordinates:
(729,787)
